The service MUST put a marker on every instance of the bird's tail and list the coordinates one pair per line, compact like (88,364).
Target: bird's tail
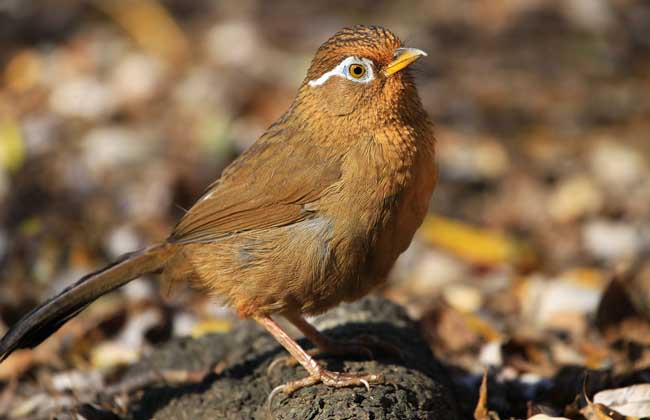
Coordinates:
(45,319)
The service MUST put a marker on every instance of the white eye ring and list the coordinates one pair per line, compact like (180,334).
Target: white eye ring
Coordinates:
(343,70)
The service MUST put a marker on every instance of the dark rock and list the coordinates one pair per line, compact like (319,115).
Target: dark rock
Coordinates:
(416,386)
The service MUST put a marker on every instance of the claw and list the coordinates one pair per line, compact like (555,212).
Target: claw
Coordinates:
(365,383)
(333,379)
(274,392)
(275,363)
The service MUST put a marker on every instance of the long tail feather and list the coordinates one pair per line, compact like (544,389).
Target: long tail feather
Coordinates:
(45,319)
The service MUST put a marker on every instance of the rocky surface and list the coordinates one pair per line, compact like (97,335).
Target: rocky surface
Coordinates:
(416,386)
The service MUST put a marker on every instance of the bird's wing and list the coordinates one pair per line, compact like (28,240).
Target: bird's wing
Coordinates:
(267,186)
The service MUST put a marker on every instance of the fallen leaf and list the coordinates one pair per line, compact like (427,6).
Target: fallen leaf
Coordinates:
(18,363)
(546,301)
(28,406)
(623,309)
(23,71)
(448,330)
(473,244)
(210,327)
(150,25)
(600,411)
(629,401)
(482,327)
(12,148)
(481,411)
(462,297)
(109,354)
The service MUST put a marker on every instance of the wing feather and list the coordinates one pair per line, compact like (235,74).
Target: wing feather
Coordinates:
(266,187)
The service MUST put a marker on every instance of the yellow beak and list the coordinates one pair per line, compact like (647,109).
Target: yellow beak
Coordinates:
(403,58)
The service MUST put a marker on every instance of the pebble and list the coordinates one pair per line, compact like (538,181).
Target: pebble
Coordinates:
(139,289)
(222,37)
(564,354)
(462,297)
(432,271)
(467,159)
(121,240)
(543,300)
(132,335)
(77,380)
(150,198)
(83,97)
(490,354)
(508,373)
(39,133)
(183,324)
(109,354)
(574,198)
(611,239)
(592,15)
(202,90)
(616,164)
(137,77)
(107,147)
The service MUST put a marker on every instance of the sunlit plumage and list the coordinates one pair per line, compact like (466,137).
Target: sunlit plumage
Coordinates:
(312,214)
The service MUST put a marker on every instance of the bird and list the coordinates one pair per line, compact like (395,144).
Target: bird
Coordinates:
(312,214)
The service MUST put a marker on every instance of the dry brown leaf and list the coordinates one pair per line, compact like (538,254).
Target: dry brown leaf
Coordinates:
(614,307)
(481,411)
(16,364)
(601,411)
(475,245)
(629,401)
(110,354)
(448,329)
(22,360)
(482,327)
(150,25)
(23,71)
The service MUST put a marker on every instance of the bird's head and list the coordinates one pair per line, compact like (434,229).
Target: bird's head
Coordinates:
(361,72)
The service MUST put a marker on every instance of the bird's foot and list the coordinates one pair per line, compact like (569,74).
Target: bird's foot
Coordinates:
(329,378)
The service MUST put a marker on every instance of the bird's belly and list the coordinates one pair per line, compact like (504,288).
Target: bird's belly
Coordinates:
(288,268)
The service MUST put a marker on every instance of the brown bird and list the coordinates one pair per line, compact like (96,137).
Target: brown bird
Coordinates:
(313,214)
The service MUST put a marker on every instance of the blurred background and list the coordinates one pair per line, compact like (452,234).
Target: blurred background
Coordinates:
(116,114)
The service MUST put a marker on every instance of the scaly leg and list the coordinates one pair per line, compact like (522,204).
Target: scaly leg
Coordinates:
(328,346)
(317,373)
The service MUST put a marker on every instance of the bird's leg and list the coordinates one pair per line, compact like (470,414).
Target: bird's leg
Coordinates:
(325,345)
(317,373)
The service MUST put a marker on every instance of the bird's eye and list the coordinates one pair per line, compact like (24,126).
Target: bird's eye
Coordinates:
(357,70)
